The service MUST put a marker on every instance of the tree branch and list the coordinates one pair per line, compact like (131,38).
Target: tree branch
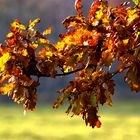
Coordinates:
(71,72)
(117,71)
(39,74)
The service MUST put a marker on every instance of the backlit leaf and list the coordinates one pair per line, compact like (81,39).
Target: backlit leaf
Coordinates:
(18,25)
(99,13)
(33,23)
(3,60)
(9,35)
(136,1)
(24,52)
(93,9)
(47,31)
(78,7)
(6,88)
(132,15)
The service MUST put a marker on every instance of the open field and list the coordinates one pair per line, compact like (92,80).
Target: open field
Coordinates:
(120,122)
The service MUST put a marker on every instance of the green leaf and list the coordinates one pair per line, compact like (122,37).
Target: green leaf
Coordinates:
(93,99)
(136,1)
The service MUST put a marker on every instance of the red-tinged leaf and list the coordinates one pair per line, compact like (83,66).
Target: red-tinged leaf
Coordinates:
(70,32)
(91,117)
(78,7)
(98,124)
(4,77)
(92,11)
(31,99)
(74,21)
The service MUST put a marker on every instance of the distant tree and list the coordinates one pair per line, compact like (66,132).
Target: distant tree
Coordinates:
(88,49)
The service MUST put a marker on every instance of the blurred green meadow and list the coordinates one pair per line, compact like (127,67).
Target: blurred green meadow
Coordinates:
(120,122)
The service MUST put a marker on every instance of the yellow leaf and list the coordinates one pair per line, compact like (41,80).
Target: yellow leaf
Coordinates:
(9,35)
(99,14)
(33,23)
(138,34)
(60,45)
(24,52)
(6,88)
(67,70)
(18,25)
(125,41)
(49,53)
(136,1)
(34,45)
(135,86)
(4,77)
(47,31)
(107,58)
(132,14)
(3,60)
(43,41)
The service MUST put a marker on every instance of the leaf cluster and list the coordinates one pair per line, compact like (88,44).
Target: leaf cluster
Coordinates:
(88,49)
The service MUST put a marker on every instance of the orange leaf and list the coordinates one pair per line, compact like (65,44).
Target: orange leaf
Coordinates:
(6,88)
(47,31)
(98,124)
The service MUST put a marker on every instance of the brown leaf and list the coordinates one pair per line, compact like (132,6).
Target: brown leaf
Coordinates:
(78,7)
(74,21)
(92,11)
(91,117)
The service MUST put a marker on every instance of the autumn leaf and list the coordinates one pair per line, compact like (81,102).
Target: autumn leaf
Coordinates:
(99,13)
(3,60)
(24,52)
(74,21)
(9,35)
(132,15)
(91,117)
(6,88)
(4,77)
(93,9)
(107,58)
(132,78)
(33,23)
(43,41)
(87,50)
(18,25)
(78,7)
(47,31)
(136,1)
(49,54)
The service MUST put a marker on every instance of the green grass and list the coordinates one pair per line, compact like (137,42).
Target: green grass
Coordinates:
(120,122)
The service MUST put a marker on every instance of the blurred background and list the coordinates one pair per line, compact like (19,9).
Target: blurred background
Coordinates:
(52,13)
